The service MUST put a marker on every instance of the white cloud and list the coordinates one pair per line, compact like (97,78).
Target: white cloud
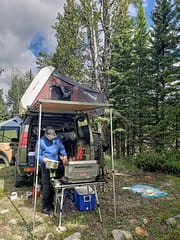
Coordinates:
(20,22)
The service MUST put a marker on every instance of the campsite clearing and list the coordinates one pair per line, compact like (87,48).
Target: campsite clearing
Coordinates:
(132,210)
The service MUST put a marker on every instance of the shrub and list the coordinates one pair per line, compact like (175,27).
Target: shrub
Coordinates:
(167,161)
(172,162)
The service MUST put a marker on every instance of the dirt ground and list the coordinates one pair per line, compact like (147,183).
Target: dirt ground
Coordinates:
(120,209)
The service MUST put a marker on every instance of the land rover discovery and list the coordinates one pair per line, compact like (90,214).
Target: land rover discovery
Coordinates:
(77,131)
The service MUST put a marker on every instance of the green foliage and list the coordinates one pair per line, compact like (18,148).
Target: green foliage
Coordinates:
(20,82)
(101,45)
(44,59)
(130,85)
(172,162)
(150,161)
(3,107)
(166,161)
(68,58)
(165,73)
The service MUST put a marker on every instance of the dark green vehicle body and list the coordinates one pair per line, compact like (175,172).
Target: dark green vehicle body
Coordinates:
(76,129)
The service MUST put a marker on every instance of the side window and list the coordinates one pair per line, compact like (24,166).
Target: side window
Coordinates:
(7,134)
(61,93)
(33,137)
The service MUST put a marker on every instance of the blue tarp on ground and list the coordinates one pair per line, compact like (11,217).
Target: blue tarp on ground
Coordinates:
(146,191)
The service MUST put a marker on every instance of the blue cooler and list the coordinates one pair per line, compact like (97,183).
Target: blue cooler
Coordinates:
(85,198)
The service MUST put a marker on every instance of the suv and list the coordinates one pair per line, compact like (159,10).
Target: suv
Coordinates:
(9,134)
(76,129)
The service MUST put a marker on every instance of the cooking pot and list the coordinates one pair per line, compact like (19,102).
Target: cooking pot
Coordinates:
(52,164)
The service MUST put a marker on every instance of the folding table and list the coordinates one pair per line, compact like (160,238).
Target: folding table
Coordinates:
(59,194)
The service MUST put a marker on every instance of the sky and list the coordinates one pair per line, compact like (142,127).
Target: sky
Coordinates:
(25,29)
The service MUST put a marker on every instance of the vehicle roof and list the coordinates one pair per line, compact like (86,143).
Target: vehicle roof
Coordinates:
(13,122)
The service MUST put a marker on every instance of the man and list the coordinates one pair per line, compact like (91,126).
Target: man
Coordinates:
(50,147)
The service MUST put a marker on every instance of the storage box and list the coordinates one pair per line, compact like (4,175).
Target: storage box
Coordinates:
(85,198)
(31,159)
(81,171)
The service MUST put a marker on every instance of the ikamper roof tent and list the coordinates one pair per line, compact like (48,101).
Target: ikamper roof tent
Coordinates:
(51,85)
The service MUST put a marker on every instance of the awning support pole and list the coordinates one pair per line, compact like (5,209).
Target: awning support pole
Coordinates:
(37,168)
(113,173)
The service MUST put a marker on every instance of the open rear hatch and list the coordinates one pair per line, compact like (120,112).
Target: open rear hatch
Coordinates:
(75,171)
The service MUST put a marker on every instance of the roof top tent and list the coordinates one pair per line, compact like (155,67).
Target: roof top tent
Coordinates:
(51,85)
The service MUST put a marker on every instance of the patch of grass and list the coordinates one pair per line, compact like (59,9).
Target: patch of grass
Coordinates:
(131,209)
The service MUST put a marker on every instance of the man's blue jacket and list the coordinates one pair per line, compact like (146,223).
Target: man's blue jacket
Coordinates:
(50,149)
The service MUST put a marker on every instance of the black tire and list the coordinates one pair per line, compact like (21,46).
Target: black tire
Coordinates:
(98,151)
(4,160)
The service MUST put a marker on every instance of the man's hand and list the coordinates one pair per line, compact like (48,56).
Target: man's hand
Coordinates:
(45,159)
(64,159)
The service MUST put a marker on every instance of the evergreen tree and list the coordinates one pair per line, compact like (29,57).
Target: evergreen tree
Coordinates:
(165,74)
(139,83)
(69,55)
(20,82)
(122,61)
(83,42)
(44,60)
(3,107)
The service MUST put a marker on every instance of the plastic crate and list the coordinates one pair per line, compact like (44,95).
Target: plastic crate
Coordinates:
(85,198)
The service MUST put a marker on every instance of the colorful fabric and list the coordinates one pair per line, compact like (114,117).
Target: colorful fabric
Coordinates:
(146,191)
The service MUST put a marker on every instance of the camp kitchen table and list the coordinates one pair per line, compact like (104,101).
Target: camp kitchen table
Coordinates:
(61,187)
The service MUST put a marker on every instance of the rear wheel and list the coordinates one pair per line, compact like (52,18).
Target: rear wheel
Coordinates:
(4,160)
(98,151)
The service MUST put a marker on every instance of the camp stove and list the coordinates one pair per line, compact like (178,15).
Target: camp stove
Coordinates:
(81,171)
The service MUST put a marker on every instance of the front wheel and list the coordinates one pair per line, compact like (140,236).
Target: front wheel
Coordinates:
(4,160)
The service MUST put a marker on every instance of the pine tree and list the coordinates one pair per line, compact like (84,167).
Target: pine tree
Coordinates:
(20,82)
(68,58)
(140,85)
(3,107)
(120,90)
(165,74)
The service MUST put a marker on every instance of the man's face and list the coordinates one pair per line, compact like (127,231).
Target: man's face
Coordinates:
(50,134)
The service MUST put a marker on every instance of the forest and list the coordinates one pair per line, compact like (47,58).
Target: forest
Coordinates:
(101,45)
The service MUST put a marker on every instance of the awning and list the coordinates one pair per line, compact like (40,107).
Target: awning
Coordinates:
(58,106)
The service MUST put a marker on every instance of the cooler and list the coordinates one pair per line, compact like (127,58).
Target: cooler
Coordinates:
(85,198)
